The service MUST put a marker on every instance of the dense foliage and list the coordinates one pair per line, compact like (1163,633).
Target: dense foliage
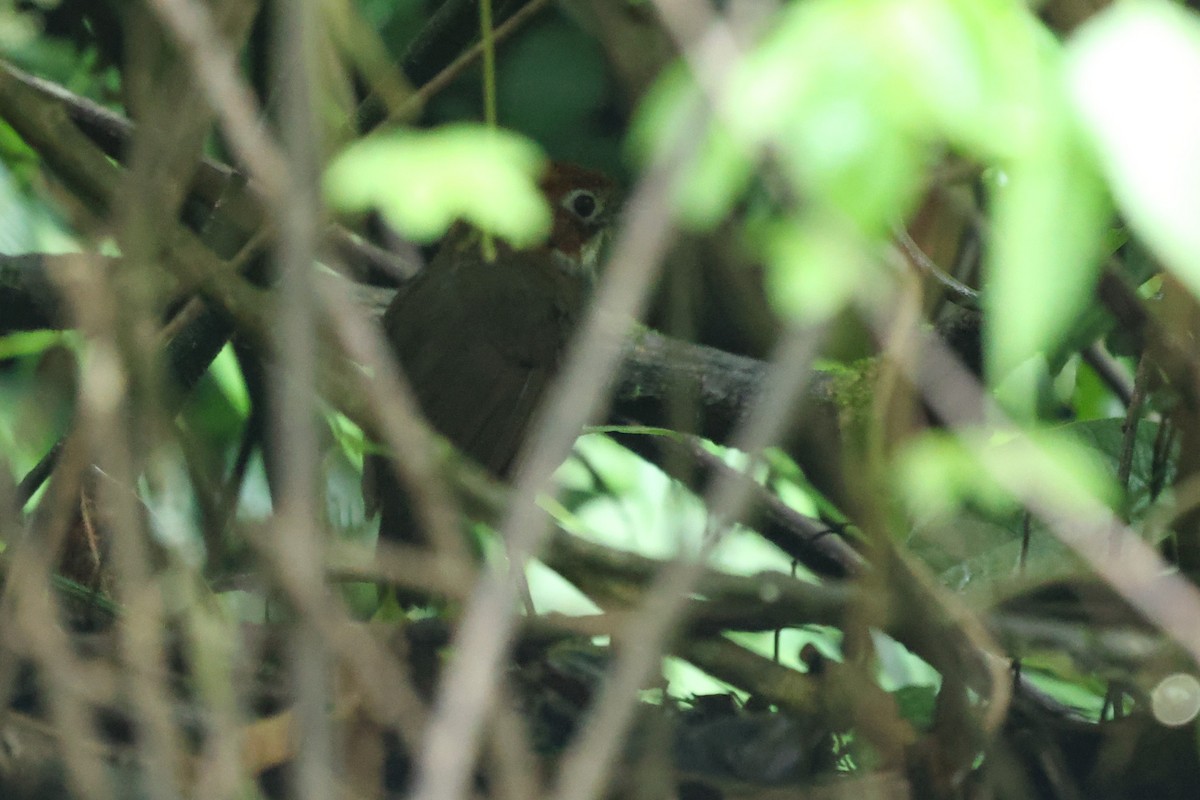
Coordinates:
(872,466)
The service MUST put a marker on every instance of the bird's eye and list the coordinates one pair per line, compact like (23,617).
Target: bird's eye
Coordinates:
(582,204)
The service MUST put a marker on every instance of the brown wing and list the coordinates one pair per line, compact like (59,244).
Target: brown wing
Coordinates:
(479,342)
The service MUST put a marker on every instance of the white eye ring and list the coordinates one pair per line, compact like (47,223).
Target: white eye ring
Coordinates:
(582,203)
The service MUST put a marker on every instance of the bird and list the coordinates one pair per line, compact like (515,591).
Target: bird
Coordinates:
(480,341)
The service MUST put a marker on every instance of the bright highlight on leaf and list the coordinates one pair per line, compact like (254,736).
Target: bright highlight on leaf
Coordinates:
(422,182)
(814,266)
(1052,465)
(1129,70)
(847,105)
(939,472)
(1049,222)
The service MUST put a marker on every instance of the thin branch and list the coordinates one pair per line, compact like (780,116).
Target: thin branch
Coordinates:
(1091,530)
(443,36)
(469,685)
(215,69)
(233,204)
(413,106)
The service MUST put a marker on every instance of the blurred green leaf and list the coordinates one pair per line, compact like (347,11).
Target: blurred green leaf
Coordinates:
(818,92)
(723,168)
(852,101)
(938,473)
(1085,693)
(1091,398)
(1026,391)
(723,171)
(17,30)
(350,437)
(27,343)
(1053,465)
(422,182)
(814,265)
(228,377)
(971,532)
(1050,216)
(344,505)
(1106,439)
(210,413)
(916,704)
(1051,213)
(1132,73)
(18,213)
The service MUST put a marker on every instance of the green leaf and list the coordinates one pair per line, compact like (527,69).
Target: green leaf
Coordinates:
(28,343)
(1106,438)
(968,527)
(1133,72)
(228,377)
(1055,467)
(814,265)
(818,92)
(1051,214)
(724,164)
(916,704)
(423,181)
(938,473)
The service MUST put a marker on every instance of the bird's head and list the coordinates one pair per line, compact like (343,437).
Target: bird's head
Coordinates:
(584,203)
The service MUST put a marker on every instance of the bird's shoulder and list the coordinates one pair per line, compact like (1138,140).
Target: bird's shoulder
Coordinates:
(522,304)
